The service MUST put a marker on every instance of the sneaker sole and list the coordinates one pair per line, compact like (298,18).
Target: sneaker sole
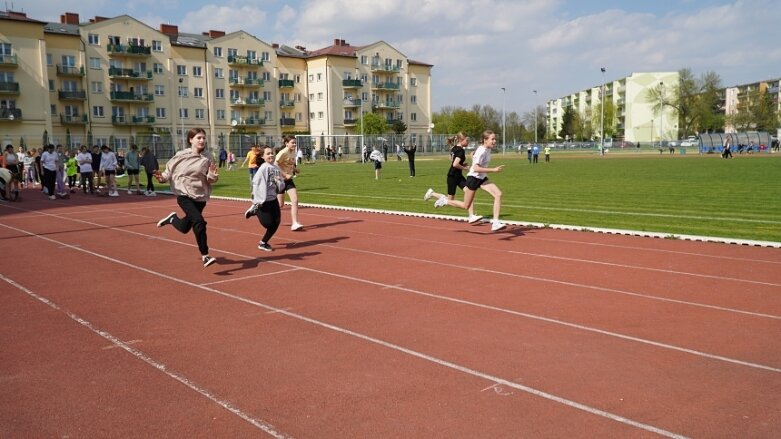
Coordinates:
(209,262)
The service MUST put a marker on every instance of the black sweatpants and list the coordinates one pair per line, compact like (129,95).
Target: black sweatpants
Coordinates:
(270,216)
(194,220)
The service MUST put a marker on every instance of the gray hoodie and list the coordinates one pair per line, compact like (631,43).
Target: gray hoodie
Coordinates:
(189,175)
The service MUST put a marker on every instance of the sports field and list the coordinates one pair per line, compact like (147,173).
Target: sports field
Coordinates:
(677,194)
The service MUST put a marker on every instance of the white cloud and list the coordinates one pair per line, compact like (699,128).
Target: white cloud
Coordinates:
(226,18)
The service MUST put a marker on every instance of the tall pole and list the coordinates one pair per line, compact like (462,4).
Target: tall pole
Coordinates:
(181,111)
(535,117)
(602,119)
(661,112)
(504,112)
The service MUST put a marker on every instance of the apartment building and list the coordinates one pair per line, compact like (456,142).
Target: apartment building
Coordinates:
(636,120)
(735,95)
(117,80)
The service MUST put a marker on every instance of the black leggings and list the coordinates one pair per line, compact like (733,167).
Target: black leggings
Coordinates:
(192,220)
(150,186)
(269,217)
(49,179)
(86,180)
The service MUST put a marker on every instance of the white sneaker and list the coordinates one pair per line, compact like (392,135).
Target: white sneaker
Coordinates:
(167,220)
(113,194)
(207,260)
(296,226)
(497,225)
(151,194)
(441,201)
(474,218)
(129,192)
(429,194)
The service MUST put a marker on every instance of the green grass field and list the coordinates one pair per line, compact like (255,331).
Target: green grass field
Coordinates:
(673,194)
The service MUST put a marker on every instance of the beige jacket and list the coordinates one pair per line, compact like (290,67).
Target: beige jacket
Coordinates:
(189,175)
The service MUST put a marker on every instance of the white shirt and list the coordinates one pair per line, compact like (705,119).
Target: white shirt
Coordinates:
(481,157)
(108,161)
(84,159)
(49,160)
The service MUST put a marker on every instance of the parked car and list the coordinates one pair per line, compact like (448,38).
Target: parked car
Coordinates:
(690,141)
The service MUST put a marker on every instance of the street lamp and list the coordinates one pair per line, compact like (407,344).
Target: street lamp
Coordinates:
(504,112)
(602,119)
(535,116)
(363,122)
(661,112)
(181,112)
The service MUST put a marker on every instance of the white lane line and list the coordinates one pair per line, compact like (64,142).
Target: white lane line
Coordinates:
(392,346)
(459,301)
(227,405)
(248,277)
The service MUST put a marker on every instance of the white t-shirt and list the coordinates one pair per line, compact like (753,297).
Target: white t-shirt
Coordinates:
(49,160)
(84,159)
(481,157)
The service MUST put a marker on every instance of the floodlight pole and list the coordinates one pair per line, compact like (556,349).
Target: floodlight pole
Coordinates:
(535,116)
(661,112)
(602,119)
(504,118)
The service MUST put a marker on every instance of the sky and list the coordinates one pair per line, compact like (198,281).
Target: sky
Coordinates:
(478,47)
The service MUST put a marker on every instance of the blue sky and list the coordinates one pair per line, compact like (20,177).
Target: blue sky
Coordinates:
(479,46)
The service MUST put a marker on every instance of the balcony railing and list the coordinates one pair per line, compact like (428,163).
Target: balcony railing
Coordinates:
(11,88)
(245,82)
(115,72)
(352,103)
(70,70)
(129,50)
(348,122)
(287,121)
(244,61)
(72,95)
(385,86)
(10,114)
(249,102)
(286,83)
(73,119)
(352,83)
(9,60)
(286,103)
(251,122)
(385,105)
(129,96)
(132,120)
(385,68)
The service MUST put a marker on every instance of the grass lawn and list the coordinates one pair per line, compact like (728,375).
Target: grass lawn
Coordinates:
(675,194)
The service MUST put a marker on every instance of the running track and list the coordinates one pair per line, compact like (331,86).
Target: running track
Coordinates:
(367,325)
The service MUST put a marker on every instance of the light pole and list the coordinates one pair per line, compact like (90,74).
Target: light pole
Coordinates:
(661,112)
(602,119)
(360,149)
(181,111)
(504,112)
(535,116)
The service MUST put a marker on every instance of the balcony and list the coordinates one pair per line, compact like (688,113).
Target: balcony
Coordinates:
(286,83)
(75,95)
(249,102)
(352,103)
(129,96)
(73,119)
(117,73)
(245,82)
(10,114)
(352,83)
(236,60)
(133,121)
(251,122)
(287,122)
(9,61)
(285,103)
(385,68)
(70,71)
(385,105)
(9,88)
(129,50)
(385,86)
(350,122)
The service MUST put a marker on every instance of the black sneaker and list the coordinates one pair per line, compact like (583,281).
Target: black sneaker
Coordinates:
(251,211)
(265,247)
(167,220)
(208,260)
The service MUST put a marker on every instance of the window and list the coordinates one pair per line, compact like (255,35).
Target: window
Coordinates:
(413,117)
(267,76)
(53,110)
(365,78)
(311,78)
(49,58)
(160,112)
(234,95)
(157,68)
(299,117)
(51,85)
(233,74)
(198,92)
(268,115)
(319,114)
(199,113)
(264,56)
(181,70)
(220,114)
(97,111)
(232,53)
(183,91)
(68,61)
(364,60)
(70,85)
(197,71)
(266,95)
(183,113)
(159,90)
(413,82)
(252,55)
(96,86)
(413,99)
(94,63)
(297,78)
(319,77)
(312,115)
(320,96)
(71,110)
(219,73)
(218,52)
(311,97)
(93,39)
(219,93)
(399,63)
(157,46)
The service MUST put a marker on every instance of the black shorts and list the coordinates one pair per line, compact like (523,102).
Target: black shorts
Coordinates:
(289,184)
(474,183)
(108,172)
(377,164)
(455,181)
(15,170)
(132,171)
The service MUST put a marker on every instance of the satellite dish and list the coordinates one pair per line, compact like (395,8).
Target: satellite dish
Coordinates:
(234,123)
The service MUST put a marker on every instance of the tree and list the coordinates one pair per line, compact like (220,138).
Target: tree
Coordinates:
(756,111)
(375,124)
(568,123)
(610,119)
(585,130)
(709,113)
(398,126)
(468,122)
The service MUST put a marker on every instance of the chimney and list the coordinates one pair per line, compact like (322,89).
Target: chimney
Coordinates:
(343,43)
(216,33)
(98,19)
(169,29)
(69,18)
(14,14)
(336,41)
(275,45)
